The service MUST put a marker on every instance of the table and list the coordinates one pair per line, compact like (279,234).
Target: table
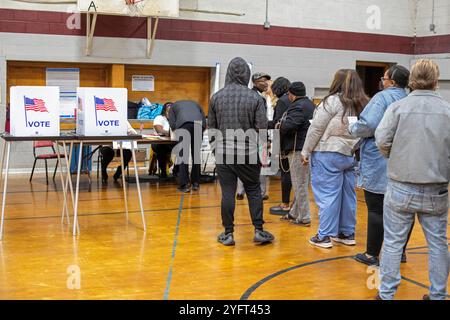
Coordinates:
(72,138)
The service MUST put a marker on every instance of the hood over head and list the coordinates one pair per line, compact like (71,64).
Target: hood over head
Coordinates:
(238,72)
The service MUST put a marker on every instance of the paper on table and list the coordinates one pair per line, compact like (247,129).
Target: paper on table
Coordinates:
(352,120)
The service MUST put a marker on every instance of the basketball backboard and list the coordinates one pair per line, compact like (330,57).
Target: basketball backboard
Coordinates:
(146,8)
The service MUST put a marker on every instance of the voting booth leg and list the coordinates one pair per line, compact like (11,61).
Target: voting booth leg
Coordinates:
(77,191)
(136,173)
(2,161)
(5,186)
(69,185)
(67,159)
(65,206)
(123,182)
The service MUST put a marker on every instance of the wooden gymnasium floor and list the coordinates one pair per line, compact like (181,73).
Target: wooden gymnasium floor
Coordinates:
(179,257)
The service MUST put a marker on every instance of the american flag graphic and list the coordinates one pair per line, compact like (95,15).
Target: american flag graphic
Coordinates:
(105,104)
(37,105)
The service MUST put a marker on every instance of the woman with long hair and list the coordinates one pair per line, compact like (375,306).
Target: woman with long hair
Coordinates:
(330,148)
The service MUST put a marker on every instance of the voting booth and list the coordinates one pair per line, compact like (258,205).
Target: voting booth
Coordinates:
(34,111)
(102,111)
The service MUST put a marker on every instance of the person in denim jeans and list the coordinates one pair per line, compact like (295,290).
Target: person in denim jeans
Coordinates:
(415,136)
(372,175)
(331,148)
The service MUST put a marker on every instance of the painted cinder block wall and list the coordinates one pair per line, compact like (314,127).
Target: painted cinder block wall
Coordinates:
(299,45)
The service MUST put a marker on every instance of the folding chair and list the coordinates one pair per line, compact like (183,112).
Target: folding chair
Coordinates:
(44,156)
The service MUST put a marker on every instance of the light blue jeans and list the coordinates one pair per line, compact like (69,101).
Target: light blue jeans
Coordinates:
(333,183)
(401,203)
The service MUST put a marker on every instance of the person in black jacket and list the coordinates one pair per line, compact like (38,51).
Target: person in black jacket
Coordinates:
(186,115)
(293,128)
(260,82)
(280,89)
(236,107)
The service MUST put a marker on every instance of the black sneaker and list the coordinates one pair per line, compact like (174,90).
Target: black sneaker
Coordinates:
(104,177)
(404,260)
(239,196)
(118,173)
(184,189)
(321,243)
(279,210)
(347,240)
(195,186)
(262,236)
(367,260)
(226,239)
(265,197)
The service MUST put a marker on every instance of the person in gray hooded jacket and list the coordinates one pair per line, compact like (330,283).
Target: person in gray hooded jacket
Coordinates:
(233,111)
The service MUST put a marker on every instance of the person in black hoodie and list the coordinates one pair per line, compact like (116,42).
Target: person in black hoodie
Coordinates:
(232,108)
(293,128)
(280,89)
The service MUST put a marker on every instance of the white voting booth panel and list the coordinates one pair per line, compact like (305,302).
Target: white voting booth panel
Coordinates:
(34,111)
(102,111)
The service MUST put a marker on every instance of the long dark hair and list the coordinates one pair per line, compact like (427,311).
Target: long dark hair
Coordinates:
(348,86)
(280,86)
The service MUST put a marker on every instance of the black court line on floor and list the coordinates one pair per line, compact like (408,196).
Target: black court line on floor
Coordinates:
(121,212)
(258,284)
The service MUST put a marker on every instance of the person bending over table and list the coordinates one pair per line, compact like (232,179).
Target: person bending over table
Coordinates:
(108,155)
(162,151)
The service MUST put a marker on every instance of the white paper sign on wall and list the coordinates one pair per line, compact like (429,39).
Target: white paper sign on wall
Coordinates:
(34,111)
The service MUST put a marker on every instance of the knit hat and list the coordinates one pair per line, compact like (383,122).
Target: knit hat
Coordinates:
(298,89)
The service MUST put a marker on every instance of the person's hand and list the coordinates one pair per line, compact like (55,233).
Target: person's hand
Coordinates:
(305,160)
(278,125)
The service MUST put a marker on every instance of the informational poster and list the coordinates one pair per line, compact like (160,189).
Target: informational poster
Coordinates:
(68,80)
(143,83)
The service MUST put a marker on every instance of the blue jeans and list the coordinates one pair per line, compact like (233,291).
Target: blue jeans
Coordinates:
(402,201)
(333,183)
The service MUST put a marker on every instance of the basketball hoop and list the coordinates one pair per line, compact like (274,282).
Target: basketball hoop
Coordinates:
(135,7)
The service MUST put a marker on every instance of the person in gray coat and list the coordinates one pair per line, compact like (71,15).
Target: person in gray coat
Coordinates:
(414,135)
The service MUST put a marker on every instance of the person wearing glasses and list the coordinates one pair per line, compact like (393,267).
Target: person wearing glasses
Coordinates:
(372,175)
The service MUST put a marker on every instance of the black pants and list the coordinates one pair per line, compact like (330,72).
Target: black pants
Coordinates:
(162,152)
(375,229)
(183,174)
(249,175)
(108,155)
(286,183)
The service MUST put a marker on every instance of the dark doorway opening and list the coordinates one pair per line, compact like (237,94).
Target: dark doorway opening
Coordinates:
(371,74)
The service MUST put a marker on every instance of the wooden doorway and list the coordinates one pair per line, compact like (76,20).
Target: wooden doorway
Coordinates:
(371,73)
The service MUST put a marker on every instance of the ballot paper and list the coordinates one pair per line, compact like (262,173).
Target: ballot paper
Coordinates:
(352,120)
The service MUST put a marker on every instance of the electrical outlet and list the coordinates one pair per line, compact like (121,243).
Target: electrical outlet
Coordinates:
(267,25)
(432,27)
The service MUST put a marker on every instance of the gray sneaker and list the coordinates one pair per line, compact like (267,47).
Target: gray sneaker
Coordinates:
(347,240)
(262,236)
(226,239)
